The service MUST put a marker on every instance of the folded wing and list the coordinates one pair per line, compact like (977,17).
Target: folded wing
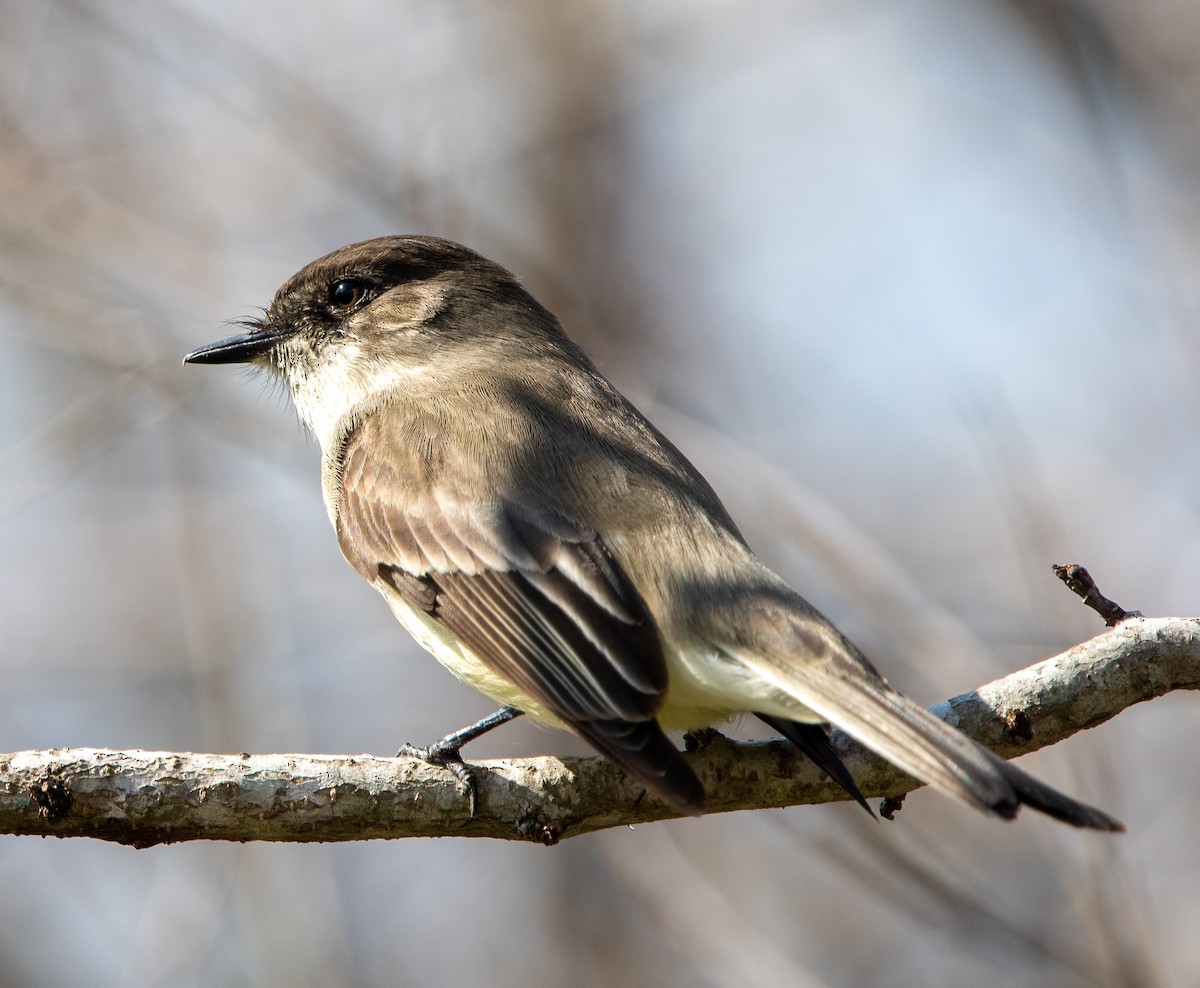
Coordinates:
(535,597)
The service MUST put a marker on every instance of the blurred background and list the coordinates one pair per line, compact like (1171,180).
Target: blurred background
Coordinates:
(916,287)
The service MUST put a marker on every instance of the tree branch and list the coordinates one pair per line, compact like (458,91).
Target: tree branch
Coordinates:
(143,798)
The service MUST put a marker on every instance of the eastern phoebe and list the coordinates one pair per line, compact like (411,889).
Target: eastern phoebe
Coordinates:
(551,548)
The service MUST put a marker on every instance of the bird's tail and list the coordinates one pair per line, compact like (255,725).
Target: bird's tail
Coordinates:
(828,676)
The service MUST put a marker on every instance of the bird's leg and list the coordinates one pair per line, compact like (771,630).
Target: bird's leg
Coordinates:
(448,747)
(445,752)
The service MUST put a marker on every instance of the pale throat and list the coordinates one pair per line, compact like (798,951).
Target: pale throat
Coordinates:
(344,384)
(344,381)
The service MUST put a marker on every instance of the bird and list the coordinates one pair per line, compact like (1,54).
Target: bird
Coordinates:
(554,550)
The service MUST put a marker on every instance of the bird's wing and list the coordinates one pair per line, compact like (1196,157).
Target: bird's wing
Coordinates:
(813,740)
(534,596)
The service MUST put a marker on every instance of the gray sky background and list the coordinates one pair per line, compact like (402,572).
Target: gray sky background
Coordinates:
(915,285)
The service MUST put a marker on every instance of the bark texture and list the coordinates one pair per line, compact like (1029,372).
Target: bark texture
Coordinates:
(143,798)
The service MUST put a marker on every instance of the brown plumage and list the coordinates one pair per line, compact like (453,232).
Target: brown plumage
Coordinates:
(551,548)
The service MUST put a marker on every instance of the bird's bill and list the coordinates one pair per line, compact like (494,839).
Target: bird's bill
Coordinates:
(239,349)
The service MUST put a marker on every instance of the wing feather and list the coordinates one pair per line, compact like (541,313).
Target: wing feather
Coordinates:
(534,597)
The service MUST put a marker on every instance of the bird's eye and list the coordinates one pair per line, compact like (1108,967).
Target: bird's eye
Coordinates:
(347,294)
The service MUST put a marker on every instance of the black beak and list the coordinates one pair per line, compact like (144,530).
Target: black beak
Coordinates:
(240,349)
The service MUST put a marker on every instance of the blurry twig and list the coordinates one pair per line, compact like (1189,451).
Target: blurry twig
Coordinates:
(146,798)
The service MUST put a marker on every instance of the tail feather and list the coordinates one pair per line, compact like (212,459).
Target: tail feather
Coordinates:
(843,689)
(1048,800)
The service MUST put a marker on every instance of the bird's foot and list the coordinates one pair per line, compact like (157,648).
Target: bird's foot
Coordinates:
(445,753)
(700,738)
(447,757)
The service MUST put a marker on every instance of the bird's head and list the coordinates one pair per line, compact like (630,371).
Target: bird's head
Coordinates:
(365,318)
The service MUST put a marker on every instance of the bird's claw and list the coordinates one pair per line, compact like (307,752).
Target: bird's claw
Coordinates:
(446,753)
(447,756)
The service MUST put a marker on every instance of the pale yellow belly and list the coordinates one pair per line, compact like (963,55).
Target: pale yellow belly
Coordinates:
(436,640)
(705,687)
